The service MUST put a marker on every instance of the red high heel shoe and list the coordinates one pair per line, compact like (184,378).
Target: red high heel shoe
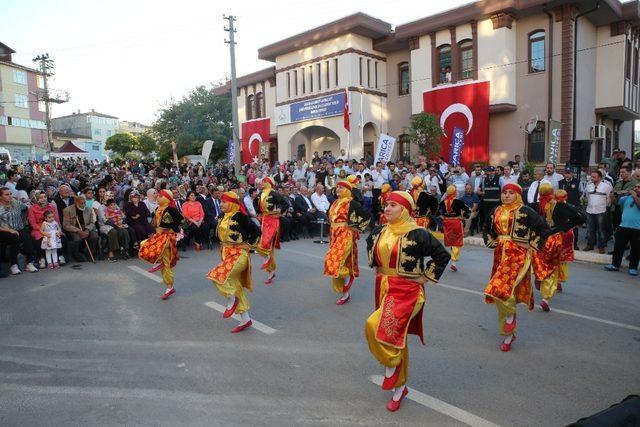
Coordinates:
(509,327)
(229,311)
(390,382)
(241,328)
(343,301)
(506,347)
(270,278)
(155,268)
(453,268)
(168,293)
(393,405)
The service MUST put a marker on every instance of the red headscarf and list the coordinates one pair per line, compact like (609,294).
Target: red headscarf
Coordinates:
(231,197)
(400,199)
(167,194)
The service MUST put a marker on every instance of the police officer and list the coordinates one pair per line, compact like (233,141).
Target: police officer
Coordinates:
(489,192)
(571,185)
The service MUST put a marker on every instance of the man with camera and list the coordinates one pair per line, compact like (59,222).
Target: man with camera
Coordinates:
(628,233)
(623,186)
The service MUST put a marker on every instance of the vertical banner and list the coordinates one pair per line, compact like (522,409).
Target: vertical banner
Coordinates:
(463,106)
(206,149)
(255,135)
(456,147)
(385,148)
(231,154)
(554,141)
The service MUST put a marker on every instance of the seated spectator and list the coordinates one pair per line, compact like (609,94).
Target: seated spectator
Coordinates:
(210,212)
(136,214)
(304,210)
(115,218)
(40,205)
(472,201)
(194,216)
(628,233)
(78,223)
(11,217)
(320,201)
(151,202)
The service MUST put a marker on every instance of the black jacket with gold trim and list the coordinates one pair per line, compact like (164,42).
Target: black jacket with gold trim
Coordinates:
(243,230)
(529,228)
(458,209)
(274,201)
(413,248)
(171,219)
(426,205)
(563,217)
(359,216)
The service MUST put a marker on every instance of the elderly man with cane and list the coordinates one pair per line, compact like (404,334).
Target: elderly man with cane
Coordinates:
(79,224)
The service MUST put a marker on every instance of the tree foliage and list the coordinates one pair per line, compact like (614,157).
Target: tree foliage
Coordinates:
(425,131)
(121,143)
(199,116)
(146,144)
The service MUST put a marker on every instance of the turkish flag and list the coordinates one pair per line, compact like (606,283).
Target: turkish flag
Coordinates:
(255,134)
(463,106)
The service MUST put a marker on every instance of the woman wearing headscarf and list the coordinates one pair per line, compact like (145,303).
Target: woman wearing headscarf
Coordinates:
(151,202)
(397,251)
(237,234)
(426,204)
(515,231)
(567,238)
(136,214)
(385,190)
(348,218)
(160,249)
(454,212)
(561,218)
(269,205)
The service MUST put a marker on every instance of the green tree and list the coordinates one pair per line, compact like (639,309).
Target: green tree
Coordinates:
(425,131)
(146,144)
(198,116)
(121,143)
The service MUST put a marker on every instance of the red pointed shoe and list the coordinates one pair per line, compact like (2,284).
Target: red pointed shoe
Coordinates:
(241,328)
(265,264)
(390,382)
(349,283)
(393,405)
(168,293)
(545,306)
(343,301)
(270,278)
(509,327)
(229,311)
(453,268)
(155,268)
(506,347)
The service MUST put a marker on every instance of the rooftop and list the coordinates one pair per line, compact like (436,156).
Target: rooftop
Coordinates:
(91,113)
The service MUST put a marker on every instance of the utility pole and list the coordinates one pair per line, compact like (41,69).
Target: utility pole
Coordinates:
(46,69)
(234,91)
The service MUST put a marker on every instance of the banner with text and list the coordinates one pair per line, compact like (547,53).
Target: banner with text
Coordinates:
(554,141)
(385,148)
(456,146)
(231,153)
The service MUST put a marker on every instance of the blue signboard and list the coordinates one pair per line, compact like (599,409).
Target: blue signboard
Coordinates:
(325,106)
(457,146)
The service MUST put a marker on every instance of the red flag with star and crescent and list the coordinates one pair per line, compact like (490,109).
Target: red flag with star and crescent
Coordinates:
(255,134)
(466,107)
(345,111)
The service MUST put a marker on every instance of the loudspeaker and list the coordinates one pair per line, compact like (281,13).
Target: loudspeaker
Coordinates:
(580,152)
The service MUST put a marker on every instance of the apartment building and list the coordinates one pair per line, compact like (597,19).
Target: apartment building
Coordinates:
(97,127)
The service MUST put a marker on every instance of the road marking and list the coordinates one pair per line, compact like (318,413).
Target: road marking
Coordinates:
(145,273)
(257,325)
(471,291)
(441,407)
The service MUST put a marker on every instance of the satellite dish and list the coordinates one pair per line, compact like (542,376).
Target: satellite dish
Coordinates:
(531,124)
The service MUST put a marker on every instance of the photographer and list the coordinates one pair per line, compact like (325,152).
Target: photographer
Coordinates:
(628,232)
(623,186)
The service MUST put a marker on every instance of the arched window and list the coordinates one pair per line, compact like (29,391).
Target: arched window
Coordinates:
(250,107)
(404,81)
(444,63)
(536,144)
(259,103)
(404,148)
(536,51)
(466,59)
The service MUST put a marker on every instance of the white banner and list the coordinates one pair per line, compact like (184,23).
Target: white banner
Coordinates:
(206,149)
(385,148)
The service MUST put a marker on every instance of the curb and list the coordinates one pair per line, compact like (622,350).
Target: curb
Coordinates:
(589,257)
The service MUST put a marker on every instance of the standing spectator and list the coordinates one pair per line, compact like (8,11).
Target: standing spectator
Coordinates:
(12,179)
(628,232)
(79,224)
(51,240)
(489,192)
(524,181)
(11,217)
(623,187)
(571,185)
(518,160)
(598,198)
(458,178)
(248,204)
(194,215)
(476,177)
(433,180)
(472,201)
(533,195)
(507,177)
(552,176)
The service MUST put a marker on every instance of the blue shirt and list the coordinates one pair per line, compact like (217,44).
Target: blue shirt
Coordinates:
(630,213)
(470,199)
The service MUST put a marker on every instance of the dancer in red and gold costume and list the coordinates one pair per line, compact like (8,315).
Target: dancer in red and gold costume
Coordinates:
(547,262)
(426,204)
(385,190)
(398,250)
(160,249)
(514,231)
(348,218)
(269,205)
(454,212)
(237,235)
(567,241)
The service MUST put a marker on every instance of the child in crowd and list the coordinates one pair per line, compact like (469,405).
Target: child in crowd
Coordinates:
(114,215)
(51,241)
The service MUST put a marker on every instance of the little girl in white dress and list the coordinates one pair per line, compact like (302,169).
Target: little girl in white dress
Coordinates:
(51,241)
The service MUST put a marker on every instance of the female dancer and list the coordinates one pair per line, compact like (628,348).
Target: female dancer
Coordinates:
(547,262)
(384,192)
(269,206)
(454,211)
(160,249)
(397,251)
(348,219)
(426,204)
(567,241)
(514,230)
(237,234)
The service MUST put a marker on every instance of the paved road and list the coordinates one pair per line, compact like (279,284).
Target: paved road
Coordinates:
(97,346)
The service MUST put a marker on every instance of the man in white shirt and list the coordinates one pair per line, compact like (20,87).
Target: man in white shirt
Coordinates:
(532,194)
(12,178)
(342,156)
(433,181)
(299,172)
(319,199)
(508,177)
(552,176)
(598,194)
(443,166)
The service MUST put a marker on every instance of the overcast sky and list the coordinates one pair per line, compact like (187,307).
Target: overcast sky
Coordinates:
(129,58)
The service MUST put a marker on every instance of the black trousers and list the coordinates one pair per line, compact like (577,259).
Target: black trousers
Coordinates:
(198,232)
(9,246)
(623,237)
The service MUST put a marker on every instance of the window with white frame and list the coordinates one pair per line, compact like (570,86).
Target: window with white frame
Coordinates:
(20,77)
(21,101)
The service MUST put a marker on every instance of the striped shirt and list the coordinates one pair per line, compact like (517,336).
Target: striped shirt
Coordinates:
(12,216)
